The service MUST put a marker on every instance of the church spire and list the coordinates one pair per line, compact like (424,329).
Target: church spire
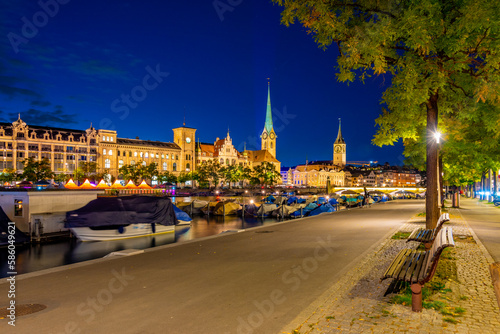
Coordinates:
(269,115)
(340,139)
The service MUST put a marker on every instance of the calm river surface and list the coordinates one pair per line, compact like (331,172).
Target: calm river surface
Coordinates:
(36,257)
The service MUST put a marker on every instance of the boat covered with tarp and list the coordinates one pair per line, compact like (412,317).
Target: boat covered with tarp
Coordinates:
(323,208)
(226,208)
(7,227)
(182,217)
(111,218)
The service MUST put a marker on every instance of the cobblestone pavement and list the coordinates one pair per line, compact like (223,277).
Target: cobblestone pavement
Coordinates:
(356,304)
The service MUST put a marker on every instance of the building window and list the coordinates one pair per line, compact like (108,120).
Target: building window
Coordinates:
(18,207)
(107,163)
(144,163)
(120,163)
(174,167)
(227,162)
(110,138)
(176,157)
(141,154)
(163,156)
(167,156)
(132,163)
(187,167)
(164,166)
(117,153)
(135,154)
(110,152)
(146,155)
(129,153)
(157,156)
(104,152)
(221,161)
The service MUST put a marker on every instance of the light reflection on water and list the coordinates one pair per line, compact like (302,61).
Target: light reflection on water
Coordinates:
(38,257)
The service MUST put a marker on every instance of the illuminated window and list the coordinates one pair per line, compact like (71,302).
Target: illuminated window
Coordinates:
(132,163)
(174,167)
(167,156)
(135,154)
(141,154)
(144,163)
(157,156)
(111,138)
(18,207)
(107,163)
(110,152)
(187,167)
(163,156)
(146,155)
(104,152)
(164,166)
(120,163)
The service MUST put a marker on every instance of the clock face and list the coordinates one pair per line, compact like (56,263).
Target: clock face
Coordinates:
(264,136)
(338,149)
(188,140)
(272,135)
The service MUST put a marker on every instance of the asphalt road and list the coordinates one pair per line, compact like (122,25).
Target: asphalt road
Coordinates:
(484,219)
(256,281)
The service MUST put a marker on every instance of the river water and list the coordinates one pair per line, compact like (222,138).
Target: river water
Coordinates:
(35,257)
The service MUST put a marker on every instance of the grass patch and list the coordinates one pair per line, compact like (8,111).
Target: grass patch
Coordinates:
(401,235)
(329,317)
(421,214)
(436,294)
(451,320)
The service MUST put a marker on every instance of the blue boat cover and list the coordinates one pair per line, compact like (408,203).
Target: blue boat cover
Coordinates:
(301,200)
(322,209)
(270,199)
(291,200)
(321,200)
(333,201)
(181,215)
(19,237)
(107,211)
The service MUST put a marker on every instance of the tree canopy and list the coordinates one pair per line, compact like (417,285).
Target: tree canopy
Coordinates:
(438,56)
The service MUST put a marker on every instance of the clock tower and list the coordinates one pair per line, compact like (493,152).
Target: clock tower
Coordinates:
(268,136)
(339,150)
(184,138)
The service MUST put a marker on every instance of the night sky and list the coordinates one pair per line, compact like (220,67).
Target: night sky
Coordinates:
(138,67)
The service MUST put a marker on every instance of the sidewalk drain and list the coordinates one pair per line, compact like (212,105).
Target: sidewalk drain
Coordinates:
(23,309)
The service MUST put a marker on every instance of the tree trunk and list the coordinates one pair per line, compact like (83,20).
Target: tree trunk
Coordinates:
(440,176)
(431,198)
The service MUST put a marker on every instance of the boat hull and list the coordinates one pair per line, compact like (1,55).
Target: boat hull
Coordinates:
(130,231)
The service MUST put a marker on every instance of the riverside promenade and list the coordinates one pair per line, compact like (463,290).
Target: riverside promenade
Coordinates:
(356,303)
(312,275)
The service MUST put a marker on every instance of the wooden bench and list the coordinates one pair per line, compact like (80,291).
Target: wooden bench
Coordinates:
(427,236)
(418,267)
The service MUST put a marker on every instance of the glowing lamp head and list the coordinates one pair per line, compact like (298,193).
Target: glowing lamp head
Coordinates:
(437,136)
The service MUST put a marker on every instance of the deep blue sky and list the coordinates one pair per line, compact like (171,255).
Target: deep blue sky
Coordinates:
(75,68)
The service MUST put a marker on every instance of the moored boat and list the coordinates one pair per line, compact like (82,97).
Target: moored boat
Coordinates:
(112,218)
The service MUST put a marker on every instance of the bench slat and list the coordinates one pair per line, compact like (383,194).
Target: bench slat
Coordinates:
(406,265)
(396,263)
(412,269)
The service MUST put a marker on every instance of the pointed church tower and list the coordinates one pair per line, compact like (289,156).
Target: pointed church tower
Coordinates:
(268,137)
(339,149)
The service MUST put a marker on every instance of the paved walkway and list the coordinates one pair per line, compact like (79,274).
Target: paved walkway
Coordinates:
(356,304)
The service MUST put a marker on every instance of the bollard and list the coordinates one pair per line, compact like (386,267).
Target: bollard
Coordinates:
(416,297)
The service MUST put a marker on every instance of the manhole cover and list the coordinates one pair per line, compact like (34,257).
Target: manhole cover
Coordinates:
(264,231)
(21,310)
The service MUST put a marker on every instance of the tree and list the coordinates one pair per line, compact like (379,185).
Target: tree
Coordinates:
(86,170)
(231,173)
(209,172)
(440,55)
(37,170)
(167,176)
(266,172)
(8,175)
(148,172)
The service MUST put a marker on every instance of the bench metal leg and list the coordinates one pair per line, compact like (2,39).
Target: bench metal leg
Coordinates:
(416,297)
